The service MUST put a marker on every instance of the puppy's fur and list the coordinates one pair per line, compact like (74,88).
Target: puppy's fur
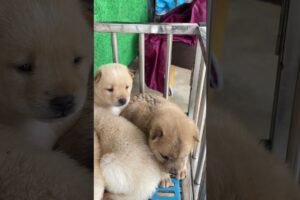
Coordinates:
(171,134)
(238,167)
(78,140)
(46,54)
(126,165)
(54,39)
(112,87)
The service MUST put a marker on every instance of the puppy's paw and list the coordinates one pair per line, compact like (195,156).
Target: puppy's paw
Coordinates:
(166,182)
(181,174)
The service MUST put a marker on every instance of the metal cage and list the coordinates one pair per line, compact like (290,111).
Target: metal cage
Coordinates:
(194,186)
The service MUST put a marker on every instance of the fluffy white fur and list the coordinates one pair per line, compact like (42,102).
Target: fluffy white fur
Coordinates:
(128,168)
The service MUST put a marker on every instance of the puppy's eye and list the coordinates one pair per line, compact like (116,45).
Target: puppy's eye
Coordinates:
(110,89)
(164,157)
(25,68)
(77,60)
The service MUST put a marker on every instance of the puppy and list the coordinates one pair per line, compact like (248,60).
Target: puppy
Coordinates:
(44,64)
(238,167)
(112,87)
(171,134)
(126,165)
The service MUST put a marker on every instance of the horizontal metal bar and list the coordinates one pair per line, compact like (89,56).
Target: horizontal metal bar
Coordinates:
(161,28)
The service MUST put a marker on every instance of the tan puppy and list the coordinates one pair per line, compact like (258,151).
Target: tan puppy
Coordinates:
(127,167)
(238,167)
(112,87)
(171,134)
(44,64)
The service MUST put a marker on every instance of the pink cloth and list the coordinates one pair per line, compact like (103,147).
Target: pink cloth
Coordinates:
(155,45)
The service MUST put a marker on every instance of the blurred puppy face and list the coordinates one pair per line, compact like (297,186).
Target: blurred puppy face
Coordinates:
(112,86)
(45,59)
(172,140)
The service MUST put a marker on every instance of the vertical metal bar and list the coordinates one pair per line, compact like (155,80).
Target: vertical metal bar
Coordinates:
(200,89)
(201,126)
(202,190)
(196,73)
(114,44)
(168,64)
(200,169)
(200,166)
(142,61)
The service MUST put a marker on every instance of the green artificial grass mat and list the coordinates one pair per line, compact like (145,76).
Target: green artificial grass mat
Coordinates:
(117,11)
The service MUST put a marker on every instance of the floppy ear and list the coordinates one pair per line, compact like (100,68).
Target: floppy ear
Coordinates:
(156,134)
(97,76)
(196,134)
(196,138)
(131,72)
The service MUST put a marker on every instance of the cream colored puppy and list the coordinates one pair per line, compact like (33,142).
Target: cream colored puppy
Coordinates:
(127,166)
(45,58)
(171,134)
(112,87)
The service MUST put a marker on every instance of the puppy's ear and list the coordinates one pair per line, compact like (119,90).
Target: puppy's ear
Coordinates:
(97,76)
(131,72)
(196,138)
(196,134)
(156,134)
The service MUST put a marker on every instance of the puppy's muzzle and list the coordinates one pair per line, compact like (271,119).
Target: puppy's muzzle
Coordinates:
(122,102)
(63,105)
(173,171)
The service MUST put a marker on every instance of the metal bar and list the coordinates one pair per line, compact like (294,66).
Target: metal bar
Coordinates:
(200,170)
(286,80)
(201,122)
(168,64)
(114,47)
(158,28)
(186,185)
(142,61)
(196,72)
(199,93)
(200,166)
(202,190)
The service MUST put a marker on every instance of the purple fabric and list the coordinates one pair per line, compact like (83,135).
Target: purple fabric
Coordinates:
(155,45)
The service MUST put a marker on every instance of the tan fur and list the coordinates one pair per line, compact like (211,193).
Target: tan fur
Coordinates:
(126,166)
(49,35)
(78,140)
(170,132)
(238,167)
(116,78)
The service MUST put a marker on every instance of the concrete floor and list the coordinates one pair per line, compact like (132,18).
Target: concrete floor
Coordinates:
(181,87)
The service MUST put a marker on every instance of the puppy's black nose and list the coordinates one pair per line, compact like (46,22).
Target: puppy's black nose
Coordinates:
(62,104)
(122,101)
